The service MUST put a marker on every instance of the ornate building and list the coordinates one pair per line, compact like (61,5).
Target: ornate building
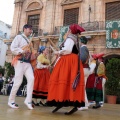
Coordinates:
(49,15)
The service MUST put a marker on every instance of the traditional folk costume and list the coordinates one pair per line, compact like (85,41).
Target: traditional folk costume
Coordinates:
(95,83)
(84,56)
(42,75)
(60,93)
(22,67)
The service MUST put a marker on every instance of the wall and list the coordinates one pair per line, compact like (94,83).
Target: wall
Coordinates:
(5,31)
(52,15)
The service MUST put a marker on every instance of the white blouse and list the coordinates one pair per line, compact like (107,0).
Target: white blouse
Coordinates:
(68,46)
(92,68)
(40,65)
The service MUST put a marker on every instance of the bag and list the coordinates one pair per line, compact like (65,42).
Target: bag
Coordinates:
(76,81)
(25,57)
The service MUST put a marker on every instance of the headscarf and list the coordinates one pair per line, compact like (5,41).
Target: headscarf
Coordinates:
(94,56)
(98,56)
(75,28)
(41,49)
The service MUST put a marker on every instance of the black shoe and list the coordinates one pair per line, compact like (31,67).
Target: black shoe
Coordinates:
(56,109)
(97,106)
(37,104)
(71,111)
(33,102)
(42,103)
(45,104)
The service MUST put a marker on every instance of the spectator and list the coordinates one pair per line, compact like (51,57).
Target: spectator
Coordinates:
(1,82)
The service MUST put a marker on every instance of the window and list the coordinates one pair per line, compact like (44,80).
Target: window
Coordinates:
(71,16)
(112,11)
(5,35)
(34,21)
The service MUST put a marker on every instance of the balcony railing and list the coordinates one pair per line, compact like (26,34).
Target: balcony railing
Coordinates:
(93,26)
(88,26)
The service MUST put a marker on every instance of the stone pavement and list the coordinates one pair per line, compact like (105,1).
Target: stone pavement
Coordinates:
(107,112)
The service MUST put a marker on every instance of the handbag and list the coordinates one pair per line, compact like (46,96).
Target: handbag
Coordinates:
(77,78)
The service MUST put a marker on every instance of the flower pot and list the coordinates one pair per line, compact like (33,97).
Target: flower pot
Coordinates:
(111,99)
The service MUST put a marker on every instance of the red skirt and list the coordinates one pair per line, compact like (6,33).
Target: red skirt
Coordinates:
(60,91)
(94,88)
(41,82)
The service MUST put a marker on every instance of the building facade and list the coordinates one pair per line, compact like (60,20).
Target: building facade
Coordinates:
(5,31)
(47,16)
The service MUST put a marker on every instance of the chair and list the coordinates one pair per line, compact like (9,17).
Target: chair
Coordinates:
(24,90)
(4,89)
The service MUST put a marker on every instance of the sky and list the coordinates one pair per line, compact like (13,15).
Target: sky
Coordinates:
(6,11)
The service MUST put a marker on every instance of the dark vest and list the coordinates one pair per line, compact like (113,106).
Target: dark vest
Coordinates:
(84,54)
(75,50)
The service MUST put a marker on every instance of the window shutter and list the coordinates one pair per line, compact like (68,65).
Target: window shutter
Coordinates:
(71,16)
(113,10)
(34,21)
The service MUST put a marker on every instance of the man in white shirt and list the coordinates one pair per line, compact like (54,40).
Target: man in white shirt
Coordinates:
(22,67)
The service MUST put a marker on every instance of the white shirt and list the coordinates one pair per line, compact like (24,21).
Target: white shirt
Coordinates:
(83,45)
(68,46)
(92,68)
(18,43)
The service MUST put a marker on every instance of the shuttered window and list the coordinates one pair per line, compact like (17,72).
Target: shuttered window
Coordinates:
(34,21)
(71,16)
(113,11)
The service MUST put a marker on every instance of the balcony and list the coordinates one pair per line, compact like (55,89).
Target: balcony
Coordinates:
(88,26)
(93,26)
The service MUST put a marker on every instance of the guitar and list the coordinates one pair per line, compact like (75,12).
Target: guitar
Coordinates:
(30,49)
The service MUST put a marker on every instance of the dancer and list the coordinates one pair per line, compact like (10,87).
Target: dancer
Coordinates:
(60,92)
(42,75)
(95,82)
(84,56)
(22,66)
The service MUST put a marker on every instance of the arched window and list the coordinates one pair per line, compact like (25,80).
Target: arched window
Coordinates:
(33,16)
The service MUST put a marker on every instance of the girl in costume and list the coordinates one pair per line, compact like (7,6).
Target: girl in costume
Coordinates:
(60,93)
(96,81)
(42,75)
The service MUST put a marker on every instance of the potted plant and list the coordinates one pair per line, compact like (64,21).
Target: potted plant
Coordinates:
(112,85)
